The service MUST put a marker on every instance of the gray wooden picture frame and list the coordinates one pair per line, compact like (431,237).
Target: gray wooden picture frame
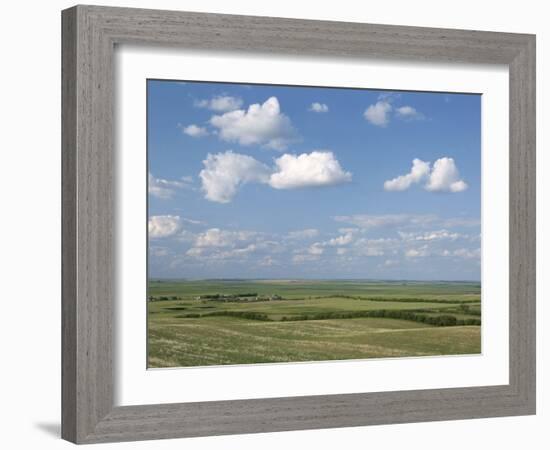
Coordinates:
(89,36)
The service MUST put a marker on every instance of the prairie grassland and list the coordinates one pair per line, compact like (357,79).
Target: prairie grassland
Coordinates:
(200,323)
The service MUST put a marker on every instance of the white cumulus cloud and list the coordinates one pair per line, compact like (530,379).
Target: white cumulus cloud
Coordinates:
(442,177)
(408,113)
(220,103)
(318,107)
(263,124)
(381,112)
(195,131)
(318,168)
(163,226)
(378,114)
(224,173)
(445,177)
(419,171)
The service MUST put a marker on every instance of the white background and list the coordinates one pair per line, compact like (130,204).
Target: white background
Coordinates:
(30,225)
(134,385)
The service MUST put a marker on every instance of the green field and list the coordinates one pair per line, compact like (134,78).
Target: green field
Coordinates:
(216,322)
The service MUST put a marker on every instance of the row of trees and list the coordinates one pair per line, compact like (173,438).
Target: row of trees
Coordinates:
(163,298)
(218,296)
(442,320)
(399,299)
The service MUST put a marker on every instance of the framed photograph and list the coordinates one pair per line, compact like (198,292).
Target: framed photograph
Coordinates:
(277,224)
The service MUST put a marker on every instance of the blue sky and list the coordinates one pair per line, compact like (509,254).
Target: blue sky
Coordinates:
(261,181)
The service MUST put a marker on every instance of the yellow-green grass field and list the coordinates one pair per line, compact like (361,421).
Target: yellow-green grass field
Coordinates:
(217,322)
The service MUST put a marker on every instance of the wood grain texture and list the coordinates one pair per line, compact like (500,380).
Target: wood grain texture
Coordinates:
(523,224)
(68,224)
(89,36)
(87,238)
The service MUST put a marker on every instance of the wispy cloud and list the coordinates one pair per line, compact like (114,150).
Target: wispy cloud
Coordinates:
(396,248)
(318,107)
(308,233)
(380,113)
(165,189)
(220,103)
(408,113)
(368,221)
(429,236)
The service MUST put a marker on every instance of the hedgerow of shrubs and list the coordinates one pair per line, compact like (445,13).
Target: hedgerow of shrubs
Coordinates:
(443,320)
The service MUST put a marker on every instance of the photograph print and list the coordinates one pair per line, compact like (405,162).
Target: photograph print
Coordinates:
(294,223)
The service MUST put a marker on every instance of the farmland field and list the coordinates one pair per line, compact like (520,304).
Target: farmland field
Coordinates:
(218,322)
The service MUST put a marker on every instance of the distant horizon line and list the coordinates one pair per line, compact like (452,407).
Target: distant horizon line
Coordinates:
(310,279)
